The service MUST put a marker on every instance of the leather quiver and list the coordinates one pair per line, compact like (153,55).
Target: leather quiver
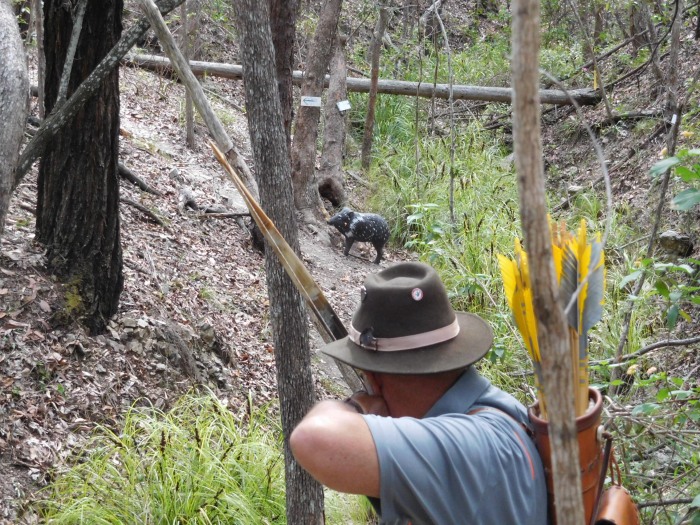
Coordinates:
(590,453)
(617,508)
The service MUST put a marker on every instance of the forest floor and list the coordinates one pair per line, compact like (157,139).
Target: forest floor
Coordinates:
(194,310)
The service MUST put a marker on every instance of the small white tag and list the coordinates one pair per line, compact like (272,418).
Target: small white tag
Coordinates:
(314,102)
(674,118)
(343,105)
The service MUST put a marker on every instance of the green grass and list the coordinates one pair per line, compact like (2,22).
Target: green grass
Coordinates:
(199,463)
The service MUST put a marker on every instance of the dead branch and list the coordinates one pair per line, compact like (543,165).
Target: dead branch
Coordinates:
(129,175)
(429,13)
(604,55)
(584,97)
(651,348)
(221,215)
(636,115)
(151,216)
(70,54)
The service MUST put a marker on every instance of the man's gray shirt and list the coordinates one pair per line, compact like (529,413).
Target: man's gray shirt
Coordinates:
(453,468)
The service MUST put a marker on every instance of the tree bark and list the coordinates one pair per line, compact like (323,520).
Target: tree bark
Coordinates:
(186,53)
(14,95)
(330,173)
(584,97)
(552,332)
(283,16)
(673,57)
(78,185)
(40,63)
(306,196)
(55,123)
(372,102)
(287,313)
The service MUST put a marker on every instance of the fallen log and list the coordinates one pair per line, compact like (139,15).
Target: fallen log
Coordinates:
(583,97)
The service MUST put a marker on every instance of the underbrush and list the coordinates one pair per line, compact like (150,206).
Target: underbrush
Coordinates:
(199,463)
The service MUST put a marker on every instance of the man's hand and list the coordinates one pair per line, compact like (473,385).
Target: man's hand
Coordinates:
(366,403)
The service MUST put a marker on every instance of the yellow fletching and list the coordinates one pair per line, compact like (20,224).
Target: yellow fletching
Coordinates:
(516,282)
(579,266)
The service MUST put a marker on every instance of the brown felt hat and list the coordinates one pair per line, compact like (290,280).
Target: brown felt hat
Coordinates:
(405,324)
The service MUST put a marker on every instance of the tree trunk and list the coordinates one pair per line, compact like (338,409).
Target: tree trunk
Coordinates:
(306,196)
(186,52)
(673,57)
(552,332)
(78,186)
(14,93)
(283,16)
(372,102)
(330,173)
(637,27)
(40,63)
(410,15)
(287,313)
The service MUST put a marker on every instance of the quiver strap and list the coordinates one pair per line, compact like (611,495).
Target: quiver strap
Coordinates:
(615,506)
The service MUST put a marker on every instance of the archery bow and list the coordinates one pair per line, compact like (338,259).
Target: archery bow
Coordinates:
(331,326)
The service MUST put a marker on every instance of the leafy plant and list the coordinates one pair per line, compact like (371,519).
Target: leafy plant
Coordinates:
(677,284)
(688,171)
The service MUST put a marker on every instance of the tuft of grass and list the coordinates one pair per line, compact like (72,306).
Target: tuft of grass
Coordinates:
(198,463)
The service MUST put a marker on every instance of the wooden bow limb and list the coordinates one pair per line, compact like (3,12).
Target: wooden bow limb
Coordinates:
(326,320)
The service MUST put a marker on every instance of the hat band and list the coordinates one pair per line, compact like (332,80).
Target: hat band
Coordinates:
(408,342)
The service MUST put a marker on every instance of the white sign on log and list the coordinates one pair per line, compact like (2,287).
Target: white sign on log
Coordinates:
(314,102)
(343,105)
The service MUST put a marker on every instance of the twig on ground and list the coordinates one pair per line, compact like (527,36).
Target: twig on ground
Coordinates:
(135,179)
(151,216)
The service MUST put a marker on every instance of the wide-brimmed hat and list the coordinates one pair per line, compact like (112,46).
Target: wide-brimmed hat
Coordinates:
(405,324)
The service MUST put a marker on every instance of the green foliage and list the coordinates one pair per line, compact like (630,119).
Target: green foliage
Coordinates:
(199,464)
(221,12)
(688,171)
(677,284)
(695,506)
(74,301)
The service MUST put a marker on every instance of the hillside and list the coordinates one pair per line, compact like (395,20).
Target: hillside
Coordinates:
(194,309)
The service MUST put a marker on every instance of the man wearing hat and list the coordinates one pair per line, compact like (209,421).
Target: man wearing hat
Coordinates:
(431,441)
